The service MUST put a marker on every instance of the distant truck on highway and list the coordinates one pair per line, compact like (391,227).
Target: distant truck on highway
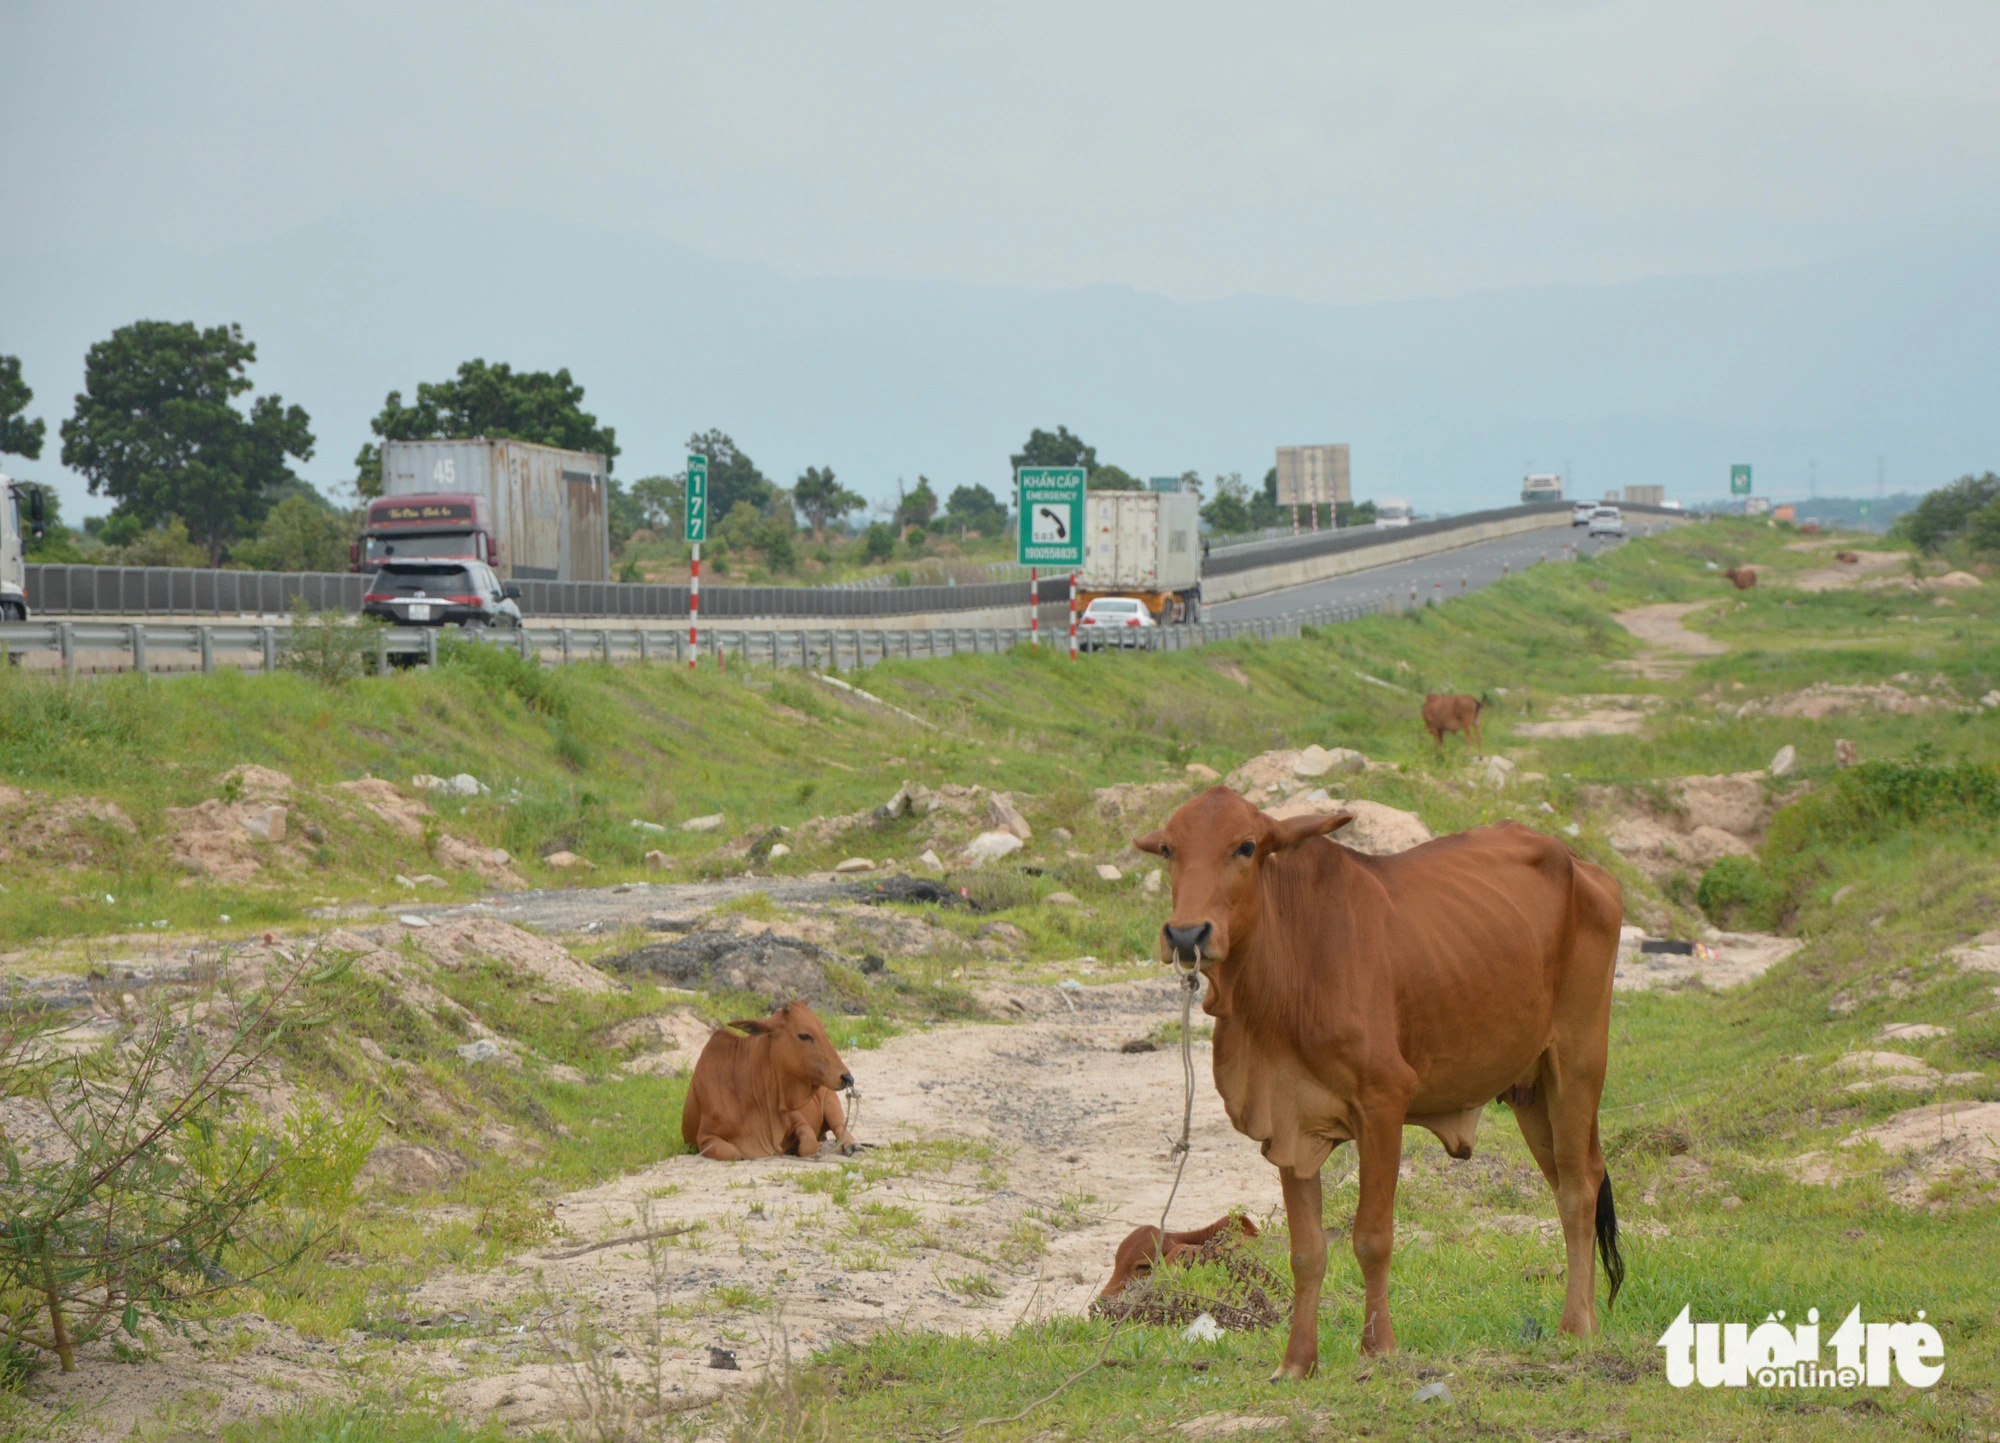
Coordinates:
(1543,488)
(1145,545)
(1393,511)
(529,512)
(13,566)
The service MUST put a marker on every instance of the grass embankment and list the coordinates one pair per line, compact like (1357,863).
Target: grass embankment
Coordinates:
(1710,1096)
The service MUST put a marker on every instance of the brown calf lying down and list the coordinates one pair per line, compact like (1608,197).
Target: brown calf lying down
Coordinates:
(1847,556)
(1745,577)
(1454,713)
(769,1092)
(1354,996)
(1146,1248)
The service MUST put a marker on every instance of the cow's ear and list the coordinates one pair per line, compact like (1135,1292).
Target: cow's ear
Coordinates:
(1291,831)
(755,1026)
(1154,842)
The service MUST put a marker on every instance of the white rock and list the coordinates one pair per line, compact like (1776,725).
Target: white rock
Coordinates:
(1204,1329)
(425,879)
(1786,759)
(1547,808)
(406,919)
(639,826)
(1317,761)
(1991,699)
(402,881)
(1061,899)
(989,846)
(778,849)
(930,859)
(854,864)
(702,824)
(658,861)
(1108,873)
(267,825)
(568,861)
(1572,830)
(1495,772)
(425,782)
(465,784)
(1153,882)
(1003,816)
(483,1049)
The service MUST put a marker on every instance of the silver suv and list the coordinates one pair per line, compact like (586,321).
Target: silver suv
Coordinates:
(441,591)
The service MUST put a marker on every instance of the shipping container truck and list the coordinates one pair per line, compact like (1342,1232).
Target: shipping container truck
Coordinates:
(1145,545)
(530,512)
(19,502)
(1546,486)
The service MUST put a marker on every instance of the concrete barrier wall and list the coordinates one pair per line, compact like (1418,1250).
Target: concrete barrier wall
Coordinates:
(1309,569)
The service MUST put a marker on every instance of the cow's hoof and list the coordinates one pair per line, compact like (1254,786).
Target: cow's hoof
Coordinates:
(1294,1372)
(848,1149)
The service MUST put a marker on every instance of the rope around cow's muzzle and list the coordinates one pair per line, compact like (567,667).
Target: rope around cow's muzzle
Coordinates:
(1190,984)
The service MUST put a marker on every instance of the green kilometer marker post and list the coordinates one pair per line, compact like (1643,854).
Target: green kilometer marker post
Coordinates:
(696,532)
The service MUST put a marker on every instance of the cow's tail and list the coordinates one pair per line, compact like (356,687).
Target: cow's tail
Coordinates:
(1607,1240)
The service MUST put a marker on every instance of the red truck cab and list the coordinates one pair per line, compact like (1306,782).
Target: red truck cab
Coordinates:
(436,524)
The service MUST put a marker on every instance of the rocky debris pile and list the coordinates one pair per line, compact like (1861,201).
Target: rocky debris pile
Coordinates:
(1703,819)
(229,838)
(1274,775)
(768,962)
(1137,804)
(1826,698)
(664,1042)
(463,785)
(57,831)
(913,799)
(1918,1148)
(452,943)
(1376,830)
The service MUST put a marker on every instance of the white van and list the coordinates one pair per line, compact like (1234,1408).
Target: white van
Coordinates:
(1392,511)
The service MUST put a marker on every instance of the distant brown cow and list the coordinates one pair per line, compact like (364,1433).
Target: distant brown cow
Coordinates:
(1745,577)
(1849,557)
(769,1092)
(1356,995)
(1145,1248)
(1454,713)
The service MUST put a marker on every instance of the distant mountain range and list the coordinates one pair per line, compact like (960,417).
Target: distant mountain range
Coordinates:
(1891,356)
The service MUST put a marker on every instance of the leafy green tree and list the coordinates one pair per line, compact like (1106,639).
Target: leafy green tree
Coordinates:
(1229,512)
(495,401)
(917,507)
(18,435)
(1354,513)
(822,499)
(974,508)
(1057,448)
(1945,512)
(624,513)
(659,499)
(155,429)
(300,534)
(732,475)
(167,544)
(878,542)
(1114,478)
(1264,508)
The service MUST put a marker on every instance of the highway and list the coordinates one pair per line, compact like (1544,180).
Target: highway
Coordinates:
(1444,575)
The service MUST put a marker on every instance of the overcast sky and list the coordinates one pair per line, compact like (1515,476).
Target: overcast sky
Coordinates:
(1334,152)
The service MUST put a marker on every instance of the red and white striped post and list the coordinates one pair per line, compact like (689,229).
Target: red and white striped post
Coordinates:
(1072,616)
(1034,606)
(694,606)
(1295,521)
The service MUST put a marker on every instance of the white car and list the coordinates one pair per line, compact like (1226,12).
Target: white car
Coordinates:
(1579,514)
(1606,521)
(1113,621)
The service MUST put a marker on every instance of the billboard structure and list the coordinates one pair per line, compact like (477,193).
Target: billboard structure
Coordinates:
(1312,476)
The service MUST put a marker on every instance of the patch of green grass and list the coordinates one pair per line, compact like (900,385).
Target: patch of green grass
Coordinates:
(363,1423)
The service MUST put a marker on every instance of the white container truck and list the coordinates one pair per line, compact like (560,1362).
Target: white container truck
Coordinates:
(1145,545)
(15,499)
(545,506)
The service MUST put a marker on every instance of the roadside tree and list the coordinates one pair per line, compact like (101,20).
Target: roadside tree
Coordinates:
(822,500)
(18,435)
(495,401)
(156,429)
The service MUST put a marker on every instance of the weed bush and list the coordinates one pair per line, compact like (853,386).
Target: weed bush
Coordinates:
(331,647)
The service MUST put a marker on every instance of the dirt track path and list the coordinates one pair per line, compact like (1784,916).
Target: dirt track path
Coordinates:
(1670,647)
(1079,1135)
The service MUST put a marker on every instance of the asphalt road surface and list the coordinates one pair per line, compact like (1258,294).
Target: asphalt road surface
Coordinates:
(1445,575)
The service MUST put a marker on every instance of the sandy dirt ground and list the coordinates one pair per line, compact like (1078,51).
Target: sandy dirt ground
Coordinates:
(1077,1137)
(1670,648)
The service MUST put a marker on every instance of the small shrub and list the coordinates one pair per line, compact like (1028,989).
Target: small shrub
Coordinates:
(502,667)
(1736,893)
(331,647)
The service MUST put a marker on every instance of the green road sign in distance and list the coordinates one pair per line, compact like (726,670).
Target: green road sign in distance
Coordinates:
(1051,515)
(697,498)
(1739,480)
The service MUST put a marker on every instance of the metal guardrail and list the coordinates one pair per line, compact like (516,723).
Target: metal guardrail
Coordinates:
(140,646)
(142,591)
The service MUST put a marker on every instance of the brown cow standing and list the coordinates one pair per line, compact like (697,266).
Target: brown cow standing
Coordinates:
(1454,713)
(1147,1247)
(767,1093)
(1745,577)
(1354,995)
